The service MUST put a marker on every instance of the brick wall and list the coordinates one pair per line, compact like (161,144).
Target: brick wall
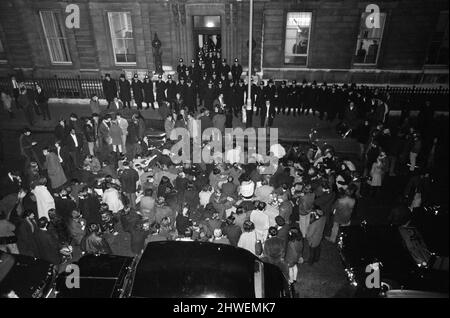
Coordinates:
(335,25)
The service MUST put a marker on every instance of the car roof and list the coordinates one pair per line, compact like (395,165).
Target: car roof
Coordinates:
(194,269)
(22,274)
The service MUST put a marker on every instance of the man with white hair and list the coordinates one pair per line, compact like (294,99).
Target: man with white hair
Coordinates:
(219,238)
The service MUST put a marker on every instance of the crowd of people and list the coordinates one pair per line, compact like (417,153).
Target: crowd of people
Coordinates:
(103,176)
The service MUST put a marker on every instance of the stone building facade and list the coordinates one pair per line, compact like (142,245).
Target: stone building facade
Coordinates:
(322,40)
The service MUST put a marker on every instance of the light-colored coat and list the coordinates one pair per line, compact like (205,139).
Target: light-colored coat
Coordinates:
(44,200)
(54,170)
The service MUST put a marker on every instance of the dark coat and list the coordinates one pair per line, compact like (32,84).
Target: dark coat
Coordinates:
(109,89)
(148,91)
(125,92)
(136,86)
(128,179)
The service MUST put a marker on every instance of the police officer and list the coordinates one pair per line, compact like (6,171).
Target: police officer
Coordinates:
(125,92)
(136,86)
(181,68)
(270,90)
(260,98)
(202,87)
(190,98)
(214,69)
(228,95)
(304,97)
(160,90)
(204,71)
(215,79)
(322,100)
(147,86)
(224,68)
(282,98)
(171,89)
(210,95)
(109,88)
(181,87)
(236,70)
(240,95)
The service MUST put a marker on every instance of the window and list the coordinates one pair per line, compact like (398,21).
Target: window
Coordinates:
(438,50)
(55,37)
(2,52)
(122,37)
(369,40)
(298,30)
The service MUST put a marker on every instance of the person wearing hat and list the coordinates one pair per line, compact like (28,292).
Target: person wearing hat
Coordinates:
(190,98)
(204,70)
(240,97)
(124,91)
(323,100)
(147,86)
(171,90)
(259,97)
(136,86)
(181,68)
(181,87)
(224,68)
(109,88)
(282,98)
(214,70)
(160,90)
(202,87)
(209,96)
(236,70)
(269,91)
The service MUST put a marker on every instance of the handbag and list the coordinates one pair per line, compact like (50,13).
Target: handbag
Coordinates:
(258,246)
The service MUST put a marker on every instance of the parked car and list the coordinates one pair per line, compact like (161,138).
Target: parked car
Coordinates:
(411,260)
(178,269)
(25,277)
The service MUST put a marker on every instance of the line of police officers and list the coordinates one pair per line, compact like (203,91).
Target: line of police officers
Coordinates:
(208,75)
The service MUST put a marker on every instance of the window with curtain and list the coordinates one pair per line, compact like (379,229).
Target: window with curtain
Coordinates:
(438,50)
(122,37)
(55,37)
(298,30)
(369,41)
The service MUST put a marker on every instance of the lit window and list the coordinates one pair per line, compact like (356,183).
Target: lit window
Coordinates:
(298,30)
(438,50)
(369,38)
(122,37)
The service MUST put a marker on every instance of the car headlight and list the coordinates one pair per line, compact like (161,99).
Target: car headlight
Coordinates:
(351,276)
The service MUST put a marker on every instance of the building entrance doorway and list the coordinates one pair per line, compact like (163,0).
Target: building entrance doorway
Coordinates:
(207,33)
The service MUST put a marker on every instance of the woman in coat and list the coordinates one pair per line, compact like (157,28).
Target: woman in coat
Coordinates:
(116,136)
(377,174)
(248,238)
(54,169)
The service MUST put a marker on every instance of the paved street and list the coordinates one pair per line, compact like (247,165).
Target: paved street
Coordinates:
(325,278)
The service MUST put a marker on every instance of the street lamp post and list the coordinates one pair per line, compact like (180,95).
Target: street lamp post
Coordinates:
(250,48)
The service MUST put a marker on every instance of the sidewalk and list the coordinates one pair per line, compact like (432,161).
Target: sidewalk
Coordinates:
(289,128)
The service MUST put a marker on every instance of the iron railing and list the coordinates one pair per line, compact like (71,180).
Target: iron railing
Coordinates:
(401,97)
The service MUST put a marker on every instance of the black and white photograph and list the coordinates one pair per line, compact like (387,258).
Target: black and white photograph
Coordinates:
(247,151)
